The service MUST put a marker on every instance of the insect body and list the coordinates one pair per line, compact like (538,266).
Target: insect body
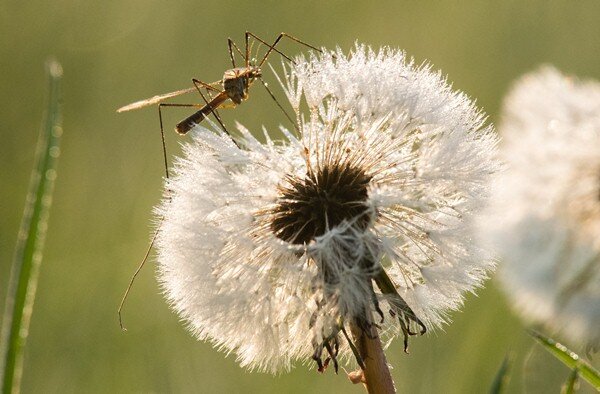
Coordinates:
(236,82)
(233,87)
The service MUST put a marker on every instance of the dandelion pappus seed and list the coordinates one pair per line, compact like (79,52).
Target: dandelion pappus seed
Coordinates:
(366,211)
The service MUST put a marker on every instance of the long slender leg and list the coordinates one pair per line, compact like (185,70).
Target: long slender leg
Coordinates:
(207,86)
(233,46)
(213,110)
(164,145)
(162,130)
(143,262)
(141,265)
(161,123)
(272,46)
(247,50)
(199,84)
(279,105)
(135,274)
(299,41)
(230,45)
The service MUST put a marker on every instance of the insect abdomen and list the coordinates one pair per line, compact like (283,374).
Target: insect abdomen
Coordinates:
(188,123)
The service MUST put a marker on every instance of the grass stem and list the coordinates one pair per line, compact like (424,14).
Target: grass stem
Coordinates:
(30,240)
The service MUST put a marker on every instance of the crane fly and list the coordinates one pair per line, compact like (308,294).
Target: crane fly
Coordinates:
(231,90)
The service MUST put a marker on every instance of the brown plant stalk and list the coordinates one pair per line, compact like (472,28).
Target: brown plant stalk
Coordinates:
(375,374)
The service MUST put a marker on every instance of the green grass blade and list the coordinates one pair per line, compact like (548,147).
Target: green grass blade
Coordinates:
(502,376)
(30,241)
(570,386)
(570,359)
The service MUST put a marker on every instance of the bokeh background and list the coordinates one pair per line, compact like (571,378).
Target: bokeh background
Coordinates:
(111,169)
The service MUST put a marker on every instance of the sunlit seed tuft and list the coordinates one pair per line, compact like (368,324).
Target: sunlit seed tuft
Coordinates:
(272,249)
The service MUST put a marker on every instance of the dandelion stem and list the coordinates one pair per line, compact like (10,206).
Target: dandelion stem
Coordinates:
(376,374)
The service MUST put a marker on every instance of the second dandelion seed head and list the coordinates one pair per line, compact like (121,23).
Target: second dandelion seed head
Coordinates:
(544,214)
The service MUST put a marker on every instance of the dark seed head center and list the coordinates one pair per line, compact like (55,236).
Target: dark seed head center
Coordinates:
(310,206)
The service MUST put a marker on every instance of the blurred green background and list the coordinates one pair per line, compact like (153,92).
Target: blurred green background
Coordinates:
(110,174)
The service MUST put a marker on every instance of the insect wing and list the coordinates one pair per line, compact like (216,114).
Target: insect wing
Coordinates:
(154,100)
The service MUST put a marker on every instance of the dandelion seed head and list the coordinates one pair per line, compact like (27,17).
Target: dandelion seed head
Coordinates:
(545,211)
(308,208)
(268,249)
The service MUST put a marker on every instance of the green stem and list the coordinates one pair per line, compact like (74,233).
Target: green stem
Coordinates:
(30,241)
(569,358)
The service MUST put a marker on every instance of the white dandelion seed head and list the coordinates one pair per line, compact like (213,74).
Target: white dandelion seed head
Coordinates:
(546,207)
(269,248)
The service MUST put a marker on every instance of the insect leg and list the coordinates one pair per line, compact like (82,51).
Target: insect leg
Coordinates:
(141,265)
(278,104)
(247,50)
(230,44)
(272,46)
(162,130)
(212,109)
(233,46)
(208,86)
(135,274)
